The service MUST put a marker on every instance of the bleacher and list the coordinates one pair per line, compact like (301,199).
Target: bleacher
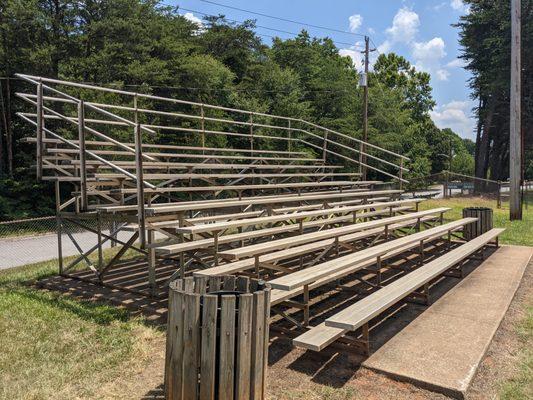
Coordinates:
(298,205)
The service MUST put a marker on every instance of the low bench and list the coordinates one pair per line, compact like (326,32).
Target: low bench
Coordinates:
(360,313)
(258,233)
(300,216)
(309,275)
(261,248)
(267,259)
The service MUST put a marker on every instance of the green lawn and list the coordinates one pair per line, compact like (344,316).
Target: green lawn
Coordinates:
(56,347)
(517,232)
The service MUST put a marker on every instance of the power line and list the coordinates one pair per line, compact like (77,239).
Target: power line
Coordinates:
(261,26)
(283,19)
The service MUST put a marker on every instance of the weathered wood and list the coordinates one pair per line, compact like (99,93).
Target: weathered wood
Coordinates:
(226,384)
(244,347)
(208,352)
(191,335)
(364,310)
(515,129)
(258,331)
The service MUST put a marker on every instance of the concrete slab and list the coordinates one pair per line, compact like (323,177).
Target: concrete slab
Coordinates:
(441,349)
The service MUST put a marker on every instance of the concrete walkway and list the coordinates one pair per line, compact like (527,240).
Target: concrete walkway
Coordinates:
(442,348)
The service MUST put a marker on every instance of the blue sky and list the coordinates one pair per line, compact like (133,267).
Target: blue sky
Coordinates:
(419,30)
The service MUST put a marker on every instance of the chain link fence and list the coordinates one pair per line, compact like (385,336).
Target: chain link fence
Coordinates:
(34,240)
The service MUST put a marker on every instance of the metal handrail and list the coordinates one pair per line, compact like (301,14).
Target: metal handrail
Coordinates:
(99,107)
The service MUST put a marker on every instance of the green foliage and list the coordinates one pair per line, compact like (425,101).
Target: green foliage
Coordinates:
(145,46)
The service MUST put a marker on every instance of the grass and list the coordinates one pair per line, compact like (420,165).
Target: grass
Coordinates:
(56,347)
(517,232)
(521,385)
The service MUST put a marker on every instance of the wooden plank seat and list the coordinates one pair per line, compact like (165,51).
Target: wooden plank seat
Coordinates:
(262,248)
(184,155)
(188,176)
(320,336)
(241,188)
(320,245)
(91,143)
(130,165)
(360,313)
(306,276)
(256,200)
(261,200)
(169,249)
(299,217)
(257,213)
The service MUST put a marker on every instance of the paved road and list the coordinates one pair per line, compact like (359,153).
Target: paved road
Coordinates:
(31,249)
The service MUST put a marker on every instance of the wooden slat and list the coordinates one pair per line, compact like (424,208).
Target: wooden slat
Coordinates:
(187,176)
(262,248)
(244,345)
(272,199)
(224,225)
(191,335)
(364,310)
(221,188)
(318,271)
(258,327)
(208,351)
(175,347)
(243,265)
(264,200)
(227,348)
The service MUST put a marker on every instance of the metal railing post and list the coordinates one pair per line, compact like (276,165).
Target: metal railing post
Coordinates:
(324,146)
(252,131)
(202,126)
(40,126)
(140,176)
(290,138)
(400,174)
(83,163)
(361,159)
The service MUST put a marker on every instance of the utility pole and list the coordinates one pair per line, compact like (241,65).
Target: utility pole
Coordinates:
(515,159)
(362,155)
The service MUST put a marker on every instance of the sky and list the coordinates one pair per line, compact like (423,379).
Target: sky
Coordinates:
(419,30)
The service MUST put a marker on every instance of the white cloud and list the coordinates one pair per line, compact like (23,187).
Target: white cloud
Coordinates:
(456,63)
(193,18)
(442,74)
(430,51)
(355,54)
(457,116)
(404,26)
(458,5)
(355,22)
(371,31)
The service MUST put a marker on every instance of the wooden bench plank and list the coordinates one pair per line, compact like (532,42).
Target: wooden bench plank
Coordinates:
(218,226)
(237,237)
(316,272)
(261,248)
(242,265)
(222,188)
(187,176)
(273,199)
(364,310)
(325,335)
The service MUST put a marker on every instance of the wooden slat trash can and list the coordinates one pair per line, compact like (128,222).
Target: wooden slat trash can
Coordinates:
(217,338)
(483,223)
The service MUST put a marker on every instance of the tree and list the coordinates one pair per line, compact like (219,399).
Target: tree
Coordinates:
(485,34)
